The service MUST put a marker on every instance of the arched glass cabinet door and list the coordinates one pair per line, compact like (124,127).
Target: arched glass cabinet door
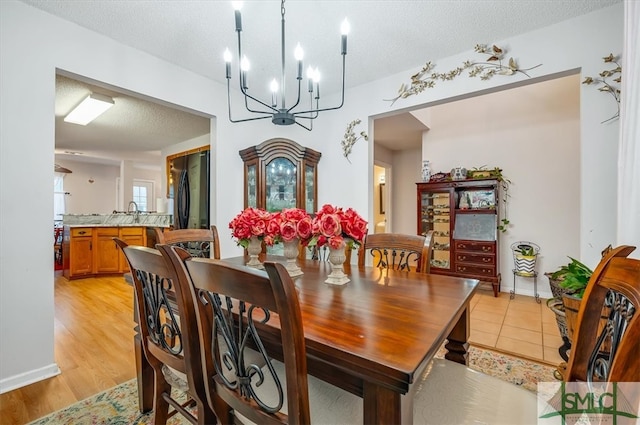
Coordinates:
(278,174)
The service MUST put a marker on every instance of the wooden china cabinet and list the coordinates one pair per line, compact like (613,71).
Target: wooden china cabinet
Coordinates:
(463,215)
(278,174)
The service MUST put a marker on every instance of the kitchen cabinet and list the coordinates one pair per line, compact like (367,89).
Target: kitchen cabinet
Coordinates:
(77,251)
(463,215)
(91,251)
(132,236)
(106,252)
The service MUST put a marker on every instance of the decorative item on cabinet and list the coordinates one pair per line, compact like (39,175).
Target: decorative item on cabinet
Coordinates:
(463,217)
(426,170)
(458,173)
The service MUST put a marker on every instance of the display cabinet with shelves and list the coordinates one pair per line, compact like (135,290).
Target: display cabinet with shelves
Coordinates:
(464,218)
(278,174)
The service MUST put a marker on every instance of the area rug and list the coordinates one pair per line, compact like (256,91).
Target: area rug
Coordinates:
(119,405)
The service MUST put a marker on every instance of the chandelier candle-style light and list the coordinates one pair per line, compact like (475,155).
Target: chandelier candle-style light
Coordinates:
(276,109)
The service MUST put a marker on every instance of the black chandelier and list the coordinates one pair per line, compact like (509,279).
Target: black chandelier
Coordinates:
(278,112)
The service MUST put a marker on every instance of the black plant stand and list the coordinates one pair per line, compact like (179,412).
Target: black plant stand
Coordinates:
(535,284)
(562,350)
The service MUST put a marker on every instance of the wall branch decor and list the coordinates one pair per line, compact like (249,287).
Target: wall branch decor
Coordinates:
(350,138)
(492,65)
(609,86)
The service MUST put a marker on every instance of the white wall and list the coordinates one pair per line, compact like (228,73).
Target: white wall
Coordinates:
(407,166)
(98,197)
(533,134)
(33,44)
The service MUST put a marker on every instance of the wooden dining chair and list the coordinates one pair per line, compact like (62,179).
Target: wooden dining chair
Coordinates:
(606,350)
(233,304)
(169,336)
(397,251)
(198,242)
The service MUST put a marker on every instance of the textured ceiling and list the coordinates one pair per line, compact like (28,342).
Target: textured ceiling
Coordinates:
(386,36)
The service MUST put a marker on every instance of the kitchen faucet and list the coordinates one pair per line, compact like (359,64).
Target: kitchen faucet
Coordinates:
(136,212)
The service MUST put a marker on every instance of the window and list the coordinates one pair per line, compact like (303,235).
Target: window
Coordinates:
(58,196)
(143,194)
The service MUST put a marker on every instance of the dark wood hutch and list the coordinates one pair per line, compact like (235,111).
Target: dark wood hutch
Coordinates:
(279,173)
(463,215)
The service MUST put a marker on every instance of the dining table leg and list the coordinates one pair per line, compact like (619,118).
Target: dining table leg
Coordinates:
(458,340)
(384,406)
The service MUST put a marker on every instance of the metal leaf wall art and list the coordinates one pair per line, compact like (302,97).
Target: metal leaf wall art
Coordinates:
(350,138)
(485,69)
(611,86)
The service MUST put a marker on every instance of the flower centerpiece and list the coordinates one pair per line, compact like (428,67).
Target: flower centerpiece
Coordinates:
(293,223)
(295,227)
(337,228)
(252,227)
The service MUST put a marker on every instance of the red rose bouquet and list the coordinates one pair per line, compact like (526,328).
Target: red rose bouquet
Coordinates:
(254,222)
(293,223)
(334,226)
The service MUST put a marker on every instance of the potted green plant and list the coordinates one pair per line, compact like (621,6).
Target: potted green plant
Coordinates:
(525,255)
(567,285)
(572,278)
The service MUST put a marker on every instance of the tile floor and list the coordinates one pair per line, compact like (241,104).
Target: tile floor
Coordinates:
(519,326)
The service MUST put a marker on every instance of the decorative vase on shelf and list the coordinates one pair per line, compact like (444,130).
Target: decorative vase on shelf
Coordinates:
(254,249)
(426,171)
(291,250)
(337,258)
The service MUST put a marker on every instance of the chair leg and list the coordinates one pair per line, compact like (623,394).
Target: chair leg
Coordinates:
(205,414)
(160,405)
(222,410)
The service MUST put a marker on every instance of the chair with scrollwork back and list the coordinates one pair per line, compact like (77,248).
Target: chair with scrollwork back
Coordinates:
(169,336)
(606,339)
(396,251)
(236,304)
(198,242)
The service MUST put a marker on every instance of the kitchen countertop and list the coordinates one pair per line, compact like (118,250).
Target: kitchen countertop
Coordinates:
(117,225)
(118,220)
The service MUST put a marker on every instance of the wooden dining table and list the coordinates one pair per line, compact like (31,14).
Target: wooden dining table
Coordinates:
(373,336)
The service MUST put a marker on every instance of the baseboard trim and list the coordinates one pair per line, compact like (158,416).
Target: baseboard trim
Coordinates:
(23,379)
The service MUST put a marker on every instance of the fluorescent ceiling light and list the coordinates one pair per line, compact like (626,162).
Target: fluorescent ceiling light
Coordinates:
(89,109)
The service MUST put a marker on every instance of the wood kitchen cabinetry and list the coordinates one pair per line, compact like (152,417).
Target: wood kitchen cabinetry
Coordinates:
(106,252)
(464,218)
(91,251)
(80,242)
(132,236)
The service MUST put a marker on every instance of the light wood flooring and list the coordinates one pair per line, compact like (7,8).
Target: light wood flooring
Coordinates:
(93,348)
(94,341)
